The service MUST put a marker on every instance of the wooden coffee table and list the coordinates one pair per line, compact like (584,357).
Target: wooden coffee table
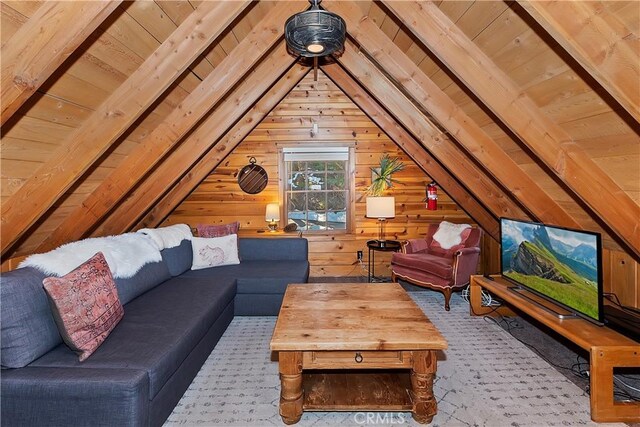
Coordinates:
(355,347)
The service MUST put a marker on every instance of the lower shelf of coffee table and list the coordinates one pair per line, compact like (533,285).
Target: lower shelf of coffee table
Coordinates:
(343,390)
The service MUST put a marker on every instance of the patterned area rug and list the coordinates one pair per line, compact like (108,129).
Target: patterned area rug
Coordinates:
(485,378)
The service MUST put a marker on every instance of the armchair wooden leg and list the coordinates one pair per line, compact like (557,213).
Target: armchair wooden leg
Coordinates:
(447,297)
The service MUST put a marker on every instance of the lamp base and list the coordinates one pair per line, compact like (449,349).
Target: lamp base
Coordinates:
(273,226)
(382,243)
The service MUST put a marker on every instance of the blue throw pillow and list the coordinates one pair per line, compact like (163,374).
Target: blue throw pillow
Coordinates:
(27,325)
(179,258)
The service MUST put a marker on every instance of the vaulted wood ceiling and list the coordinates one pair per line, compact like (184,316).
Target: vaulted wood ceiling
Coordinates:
(112,112)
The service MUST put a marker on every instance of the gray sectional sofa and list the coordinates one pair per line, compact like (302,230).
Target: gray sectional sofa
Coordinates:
(173,319)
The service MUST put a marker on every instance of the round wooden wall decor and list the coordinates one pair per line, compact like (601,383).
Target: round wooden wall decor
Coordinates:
(252,178)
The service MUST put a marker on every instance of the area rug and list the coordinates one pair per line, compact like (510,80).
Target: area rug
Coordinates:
(485,378)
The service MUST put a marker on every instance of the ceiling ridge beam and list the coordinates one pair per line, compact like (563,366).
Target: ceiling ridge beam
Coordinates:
(426,94)
(241,61)
(438,144)
(458,193)
(201,169)
(598,41)
(545,138)
(209,138)
(106,124)
(42,44)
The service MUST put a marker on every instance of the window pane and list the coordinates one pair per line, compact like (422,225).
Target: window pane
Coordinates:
(316,202)
(297,181)
(336,166)
(335,181)
(337,220)
(316,181)
(316,166)
(336,201)
(297,202)
(297,166)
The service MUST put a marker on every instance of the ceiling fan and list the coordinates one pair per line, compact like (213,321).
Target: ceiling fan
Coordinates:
(315,33)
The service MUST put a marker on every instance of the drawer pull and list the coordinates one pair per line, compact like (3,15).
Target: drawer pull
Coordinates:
(358,358)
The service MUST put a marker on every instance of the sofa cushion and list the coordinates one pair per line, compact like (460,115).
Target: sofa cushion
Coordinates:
(159,330)
(179,258)
(28,329)
(85,305)
(438,266)
(273,249)
(258,277)
(148,277)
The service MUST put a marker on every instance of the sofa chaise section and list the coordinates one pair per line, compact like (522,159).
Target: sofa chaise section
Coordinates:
(44,396)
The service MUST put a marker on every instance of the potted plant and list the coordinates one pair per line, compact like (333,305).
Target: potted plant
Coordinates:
(378,206)
(382,177)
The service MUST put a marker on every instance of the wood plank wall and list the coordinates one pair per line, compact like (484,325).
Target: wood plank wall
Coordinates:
(218,199)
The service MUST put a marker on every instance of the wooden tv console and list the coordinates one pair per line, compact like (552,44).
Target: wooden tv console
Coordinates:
(607,348)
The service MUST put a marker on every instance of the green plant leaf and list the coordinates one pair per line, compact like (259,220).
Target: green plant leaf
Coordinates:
(383,178)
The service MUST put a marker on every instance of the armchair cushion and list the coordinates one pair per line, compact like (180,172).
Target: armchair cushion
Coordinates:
(432,264)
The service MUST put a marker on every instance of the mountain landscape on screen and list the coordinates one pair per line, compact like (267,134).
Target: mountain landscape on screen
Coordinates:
(561,264)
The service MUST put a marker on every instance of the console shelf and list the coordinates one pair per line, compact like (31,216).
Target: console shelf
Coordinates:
(607,348)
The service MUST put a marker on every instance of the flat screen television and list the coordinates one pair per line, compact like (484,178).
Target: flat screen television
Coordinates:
(559,264)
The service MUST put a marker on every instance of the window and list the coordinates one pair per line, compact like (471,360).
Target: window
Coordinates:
(317,187)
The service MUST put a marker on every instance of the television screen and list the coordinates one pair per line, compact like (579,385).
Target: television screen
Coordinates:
(560,264)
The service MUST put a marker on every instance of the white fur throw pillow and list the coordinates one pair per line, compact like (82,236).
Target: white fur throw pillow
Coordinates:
(215,251)
(448,234)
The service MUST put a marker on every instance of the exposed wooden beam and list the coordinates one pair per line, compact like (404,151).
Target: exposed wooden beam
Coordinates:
(200,170)
(438,144)
(429,96)
(545,138)
(599,41)
(43,43)
(105,125)
(413,149)
(241,61)
(205,141)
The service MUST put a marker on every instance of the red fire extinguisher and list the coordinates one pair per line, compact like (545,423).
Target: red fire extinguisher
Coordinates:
(432,196)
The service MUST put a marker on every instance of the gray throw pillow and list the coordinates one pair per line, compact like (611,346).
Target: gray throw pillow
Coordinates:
(149,276)
(27,325)
(179,258)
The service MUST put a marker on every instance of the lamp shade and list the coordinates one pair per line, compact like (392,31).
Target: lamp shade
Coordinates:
(381,207)
(273,212)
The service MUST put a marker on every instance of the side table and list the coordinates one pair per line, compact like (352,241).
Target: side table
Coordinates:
(382,246)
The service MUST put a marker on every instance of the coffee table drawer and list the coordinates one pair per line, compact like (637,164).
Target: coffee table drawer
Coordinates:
(356,359)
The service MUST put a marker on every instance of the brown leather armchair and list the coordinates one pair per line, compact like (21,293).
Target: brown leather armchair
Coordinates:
(423,262)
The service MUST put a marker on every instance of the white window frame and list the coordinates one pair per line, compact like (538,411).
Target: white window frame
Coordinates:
(309,152)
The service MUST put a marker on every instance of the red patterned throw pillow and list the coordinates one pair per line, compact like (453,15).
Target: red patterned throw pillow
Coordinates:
(205,230)
(85,305)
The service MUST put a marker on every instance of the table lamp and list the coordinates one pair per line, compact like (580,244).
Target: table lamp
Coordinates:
(272,216)
(381,208)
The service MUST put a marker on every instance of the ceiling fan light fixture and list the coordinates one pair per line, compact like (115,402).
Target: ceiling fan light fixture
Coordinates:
(315,32)
(315,48)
